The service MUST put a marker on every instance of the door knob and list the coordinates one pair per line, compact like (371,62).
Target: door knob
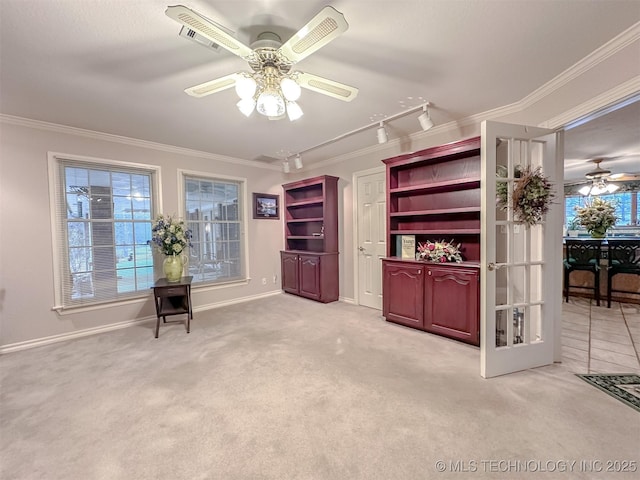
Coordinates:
(492,266)
(361,249)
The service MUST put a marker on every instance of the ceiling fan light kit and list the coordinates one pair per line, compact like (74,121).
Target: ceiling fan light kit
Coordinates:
(599,184)
(273,86)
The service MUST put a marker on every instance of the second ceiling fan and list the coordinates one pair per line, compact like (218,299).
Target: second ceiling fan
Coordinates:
(273,87)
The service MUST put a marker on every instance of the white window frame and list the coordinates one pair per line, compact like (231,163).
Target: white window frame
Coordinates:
(243,210)
(54,159)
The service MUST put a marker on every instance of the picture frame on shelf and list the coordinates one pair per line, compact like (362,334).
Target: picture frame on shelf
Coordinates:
(266,205)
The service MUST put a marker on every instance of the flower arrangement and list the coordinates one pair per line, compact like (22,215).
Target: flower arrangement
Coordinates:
(597,217)
(440,252)
(170,235)
(531,197)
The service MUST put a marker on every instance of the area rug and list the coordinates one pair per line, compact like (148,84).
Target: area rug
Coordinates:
(624,387)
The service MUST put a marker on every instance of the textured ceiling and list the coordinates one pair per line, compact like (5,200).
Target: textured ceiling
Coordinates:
(120,67)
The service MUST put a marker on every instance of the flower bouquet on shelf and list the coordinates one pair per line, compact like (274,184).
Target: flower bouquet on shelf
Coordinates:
(597,217)
(439,252)
(170,236)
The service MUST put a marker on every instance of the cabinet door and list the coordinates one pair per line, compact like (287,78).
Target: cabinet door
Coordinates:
(451,303)
(289,272)
(403,293)
(309,275)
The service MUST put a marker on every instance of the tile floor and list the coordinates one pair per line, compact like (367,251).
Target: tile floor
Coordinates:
(600,339)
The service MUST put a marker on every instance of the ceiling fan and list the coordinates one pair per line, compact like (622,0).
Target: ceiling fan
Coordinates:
(599,181)
(272,87)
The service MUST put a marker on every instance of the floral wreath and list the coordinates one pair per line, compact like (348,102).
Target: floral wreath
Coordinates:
(531,197)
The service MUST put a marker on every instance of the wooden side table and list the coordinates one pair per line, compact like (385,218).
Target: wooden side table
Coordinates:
(173,298)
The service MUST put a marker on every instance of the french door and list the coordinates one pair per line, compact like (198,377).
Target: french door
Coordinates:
(520,265)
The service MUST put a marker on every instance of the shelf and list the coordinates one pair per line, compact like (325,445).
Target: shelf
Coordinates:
(305,237)
(305,220)
(306,202)
(457,231)
(425,187)
(440,211)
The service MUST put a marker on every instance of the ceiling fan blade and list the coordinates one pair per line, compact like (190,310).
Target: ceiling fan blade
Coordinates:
(213,86)
(327,25)
(326,86)
(206,28)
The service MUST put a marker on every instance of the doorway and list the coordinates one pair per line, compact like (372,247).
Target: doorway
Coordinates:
(370,235)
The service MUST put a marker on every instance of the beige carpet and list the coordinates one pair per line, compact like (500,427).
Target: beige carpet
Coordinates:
(286,388)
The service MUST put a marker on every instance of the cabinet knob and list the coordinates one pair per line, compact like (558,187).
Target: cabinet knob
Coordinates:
(419,272)
(429,272)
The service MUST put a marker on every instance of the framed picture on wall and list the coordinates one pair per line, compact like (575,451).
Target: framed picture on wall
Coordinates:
(266,206)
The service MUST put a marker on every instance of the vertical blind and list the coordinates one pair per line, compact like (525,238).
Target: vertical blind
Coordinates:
(103,224)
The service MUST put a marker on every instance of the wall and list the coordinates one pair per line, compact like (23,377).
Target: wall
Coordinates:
(26,277)
(26,274)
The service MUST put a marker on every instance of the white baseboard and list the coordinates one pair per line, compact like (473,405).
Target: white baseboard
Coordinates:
(63,337)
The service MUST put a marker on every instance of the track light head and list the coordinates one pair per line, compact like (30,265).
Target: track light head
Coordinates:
(382,134)
(286,168)
(298,161)
(425,119)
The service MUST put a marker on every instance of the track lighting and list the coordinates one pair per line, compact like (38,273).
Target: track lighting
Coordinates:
(382,134)
(425,119)
(285,166)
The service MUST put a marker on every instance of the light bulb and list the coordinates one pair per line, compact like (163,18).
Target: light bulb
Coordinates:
(246,106)
(245,87)
(294,111)
(270,103)
(290,89)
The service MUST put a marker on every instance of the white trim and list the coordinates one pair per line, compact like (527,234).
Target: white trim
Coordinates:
(107,137)
(354,181)
(63,337)
(39,342)
(73,310)
(348,300)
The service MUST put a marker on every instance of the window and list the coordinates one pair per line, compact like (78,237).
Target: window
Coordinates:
(214,213)
(626,207)
(103,214)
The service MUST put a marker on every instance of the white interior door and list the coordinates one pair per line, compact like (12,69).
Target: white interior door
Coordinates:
(371,237)
(520,265)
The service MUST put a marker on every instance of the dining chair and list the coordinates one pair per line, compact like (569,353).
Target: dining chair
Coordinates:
(624,257)
(582,255)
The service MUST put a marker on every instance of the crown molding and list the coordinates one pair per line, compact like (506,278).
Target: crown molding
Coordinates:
(623,91)
(613,46)
(134,142)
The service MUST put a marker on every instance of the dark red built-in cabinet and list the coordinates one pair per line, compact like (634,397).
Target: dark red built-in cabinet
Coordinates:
(310,259)
(434,195)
